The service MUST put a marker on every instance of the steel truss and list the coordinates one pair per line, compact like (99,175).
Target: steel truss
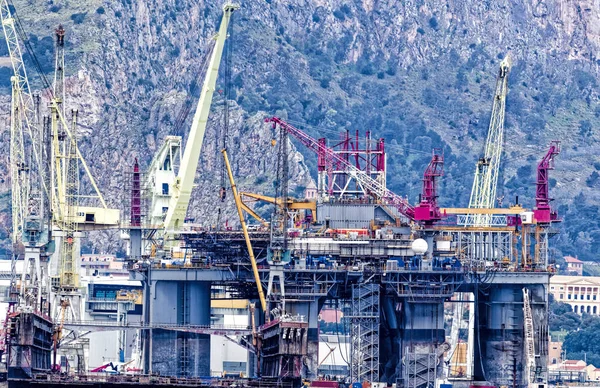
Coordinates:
(364,364)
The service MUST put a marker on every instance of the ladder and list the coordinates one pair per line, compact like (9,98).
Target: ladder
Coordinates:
(529,341)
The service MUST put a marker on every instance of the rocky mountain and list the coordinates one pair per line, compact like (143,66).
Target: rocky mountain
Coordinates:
(420,73)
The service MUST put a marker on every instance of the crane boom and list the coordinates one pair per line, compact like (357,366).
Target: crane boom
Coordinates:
(543,212)
(182,187)
(376,188)
(22,118)
(238,204)
(19,173)
(483,193)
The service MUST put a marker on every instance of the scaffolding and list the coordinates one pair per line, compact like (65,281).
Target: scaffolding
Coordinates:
(420,370)
(365,332)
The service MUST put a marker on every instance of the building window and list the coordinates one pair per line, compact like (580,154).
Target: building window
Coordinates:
(588,309)
(594,297)
(569,296)
(588,297)
(594,310)
(577,289)
(575,308)
(554,360)
(561,296)
(552,288)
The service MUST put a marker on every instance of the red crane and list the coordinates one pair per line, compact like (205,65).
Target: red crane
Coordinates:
(428,210)
(327,157)
(542,211)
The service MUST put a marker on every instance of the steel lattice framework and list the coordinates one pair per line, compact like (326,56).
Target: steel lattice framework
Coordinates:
(364,365)
(23,117)
(328,157)
(19,171)
(69,268)
(483,193)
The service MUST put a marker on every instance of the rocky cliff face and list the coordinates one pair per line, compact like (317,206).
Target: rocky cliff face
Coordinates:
(419,73)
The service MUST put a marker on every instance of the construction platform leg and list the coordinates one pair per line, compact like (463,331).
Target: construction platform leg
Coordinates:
(310,310)
(422,338)
(179,353)
(499,333)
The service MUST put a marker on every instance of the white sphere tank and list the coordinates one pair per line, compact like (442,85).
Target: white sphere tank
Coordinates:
(419,246)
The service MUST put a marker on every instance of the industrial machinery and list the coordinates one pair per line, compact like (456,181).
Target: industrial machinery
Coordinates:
(483,193)
(393,265)
(327,158)
(184,182)
(45,209)
(170,177)
(238,204)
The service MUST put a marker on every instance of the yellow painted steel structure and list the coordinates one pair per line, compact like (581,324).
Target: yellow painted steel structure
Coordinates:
(238,205)
(292,203)
(238,304)
(184,182)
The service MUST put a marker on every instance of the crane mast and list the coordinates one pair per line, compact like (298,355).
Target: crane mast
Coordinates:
(27,105)
(27,177)
(184,182)
(69,272)
(483,193)
(58,133)
(19,170)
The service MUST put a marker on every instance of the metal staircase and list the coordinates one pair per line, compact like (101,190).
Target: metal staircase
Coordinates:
(364,364)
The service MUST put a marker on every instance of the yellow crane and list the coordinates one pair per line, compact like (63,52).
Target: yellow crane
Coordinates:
(292,204)
(181,189)
(238,205)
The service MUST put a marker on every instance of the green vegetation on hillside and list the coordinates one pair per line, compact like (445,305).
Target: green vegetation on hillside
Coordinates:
(582,340)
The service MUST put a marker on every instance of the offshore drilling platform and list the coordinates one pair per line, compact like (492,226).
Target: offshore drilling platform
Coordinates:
(391,264)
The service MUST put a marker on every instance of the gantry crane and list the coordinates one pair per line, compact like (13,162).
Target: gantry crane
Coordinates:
(45,179)
(181,189)
(27,178)
(483,193)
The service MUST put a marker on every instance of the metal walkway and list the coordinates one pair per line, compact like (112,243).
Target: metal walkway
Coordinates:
(225,330)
